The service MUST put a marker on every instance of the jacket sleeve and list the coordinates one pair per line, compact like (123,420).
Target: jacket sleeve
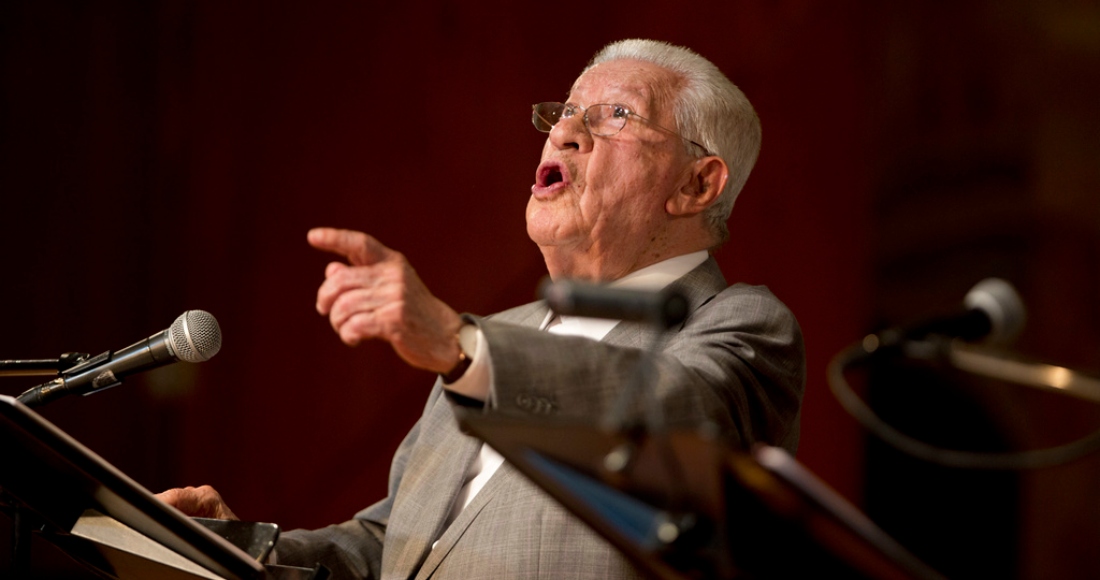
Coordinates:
(738,362)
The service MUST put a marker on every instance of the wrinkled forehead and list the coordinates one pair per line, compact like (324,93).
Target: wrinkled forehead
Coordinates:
(646,88)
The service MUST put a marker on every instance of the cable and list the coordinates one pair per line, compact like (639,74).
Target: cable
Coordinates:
(865,416)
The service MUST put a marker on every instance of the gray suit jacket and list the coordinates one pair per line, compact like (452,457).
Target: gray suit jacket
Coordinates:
(737,361)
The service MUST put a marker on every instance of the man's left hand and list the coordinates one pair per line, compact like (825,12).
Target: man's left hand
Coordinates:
(198,502)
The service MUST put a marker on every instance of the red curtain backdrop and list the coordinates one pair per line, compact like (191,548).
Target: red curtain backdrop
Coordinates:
(159,157)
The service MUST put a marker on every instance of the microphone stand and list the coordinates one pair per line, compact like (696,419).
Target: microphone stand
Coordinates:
(620,458)
(40,367)
(677,526)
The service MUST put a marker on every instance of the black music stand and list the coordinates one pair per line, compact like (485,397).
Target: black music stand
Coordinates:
(70,496)
(683,505)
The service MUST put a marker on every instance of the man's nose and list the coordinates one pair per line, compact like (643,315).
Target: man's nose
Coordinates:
(571,133)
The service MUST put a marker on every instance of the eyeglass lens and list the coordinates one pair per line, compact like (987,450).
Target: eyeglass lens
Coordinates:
(546,115)
(602,119)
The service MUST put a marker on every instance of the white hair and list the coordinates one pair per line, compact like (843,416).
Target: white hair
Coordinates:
(709,109)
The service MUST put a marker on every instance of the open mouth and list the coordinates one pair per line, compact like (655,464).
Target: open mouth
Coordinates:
(551,173)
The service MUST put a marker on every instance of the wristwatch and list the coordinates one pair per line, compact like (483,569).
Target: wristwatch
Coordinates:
(465,358)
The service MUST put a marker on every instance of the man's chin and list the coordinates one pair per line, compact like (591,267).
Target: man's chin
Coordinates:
(545,224)
(546,228)
(543,240)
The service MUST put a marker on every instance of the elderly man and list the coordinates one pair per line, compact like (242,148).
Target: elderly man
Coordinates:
(638,176)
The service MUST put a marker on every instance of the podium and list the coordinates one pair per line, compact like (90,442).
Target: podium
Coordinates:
(56,489)
(682,505)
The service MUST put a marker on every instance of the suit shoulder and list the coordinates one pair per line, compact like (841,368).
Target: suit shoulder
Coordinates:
(749,293)
(749,303)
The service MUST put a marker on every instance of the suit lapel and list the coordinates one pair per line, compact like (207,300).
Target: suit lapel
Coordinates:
(502,478)
(436,471)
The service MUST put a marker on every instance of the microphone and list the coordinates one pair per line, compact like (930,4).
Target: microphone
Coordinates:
(193,337)
(993,312)
(665,308)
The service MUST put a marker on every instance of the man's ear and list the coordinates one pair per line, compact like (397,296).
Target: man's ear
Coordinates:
(706,180)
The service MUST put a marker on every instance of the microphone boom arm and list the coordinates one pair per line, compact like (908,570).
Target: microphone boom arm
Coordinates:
(41,366)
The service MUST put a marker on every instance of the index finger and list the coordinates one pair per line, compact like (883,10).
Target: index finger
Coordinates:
(359,248)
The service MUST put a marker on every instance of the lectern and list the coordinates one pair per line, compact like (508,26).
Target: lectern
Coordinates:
(57,489)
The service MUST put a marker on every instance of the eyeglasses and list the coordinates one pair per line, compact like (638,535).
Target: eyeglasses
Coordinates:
(602,120)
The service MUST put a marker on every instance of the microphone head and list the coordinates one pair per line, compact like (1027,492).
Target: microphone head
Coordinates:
(998,300)
(195,336)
